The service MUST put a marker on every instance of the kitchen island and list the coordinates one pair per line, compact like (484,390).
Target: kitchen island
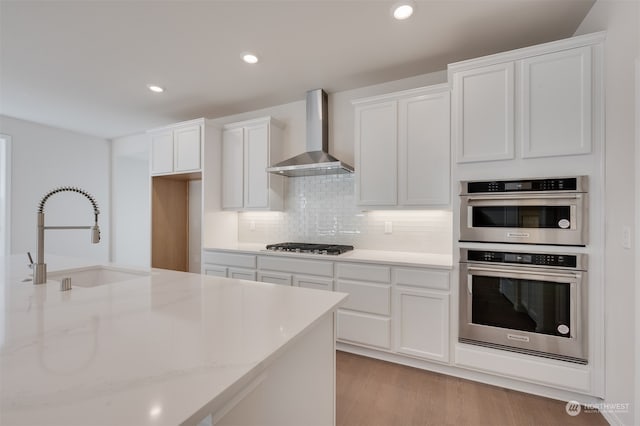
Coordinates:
(164,347)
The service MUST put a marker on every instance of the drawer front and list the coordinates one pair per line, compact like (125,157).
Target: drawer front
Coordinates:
(364,329)
(242,274)
(274,278)
(365,297)
(362,272)
(313,282)
(214,270)
(296,266)
(229,259)
(425,278)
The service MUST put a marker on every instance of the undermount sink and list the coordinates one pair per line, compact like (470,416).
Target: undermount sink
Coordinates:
(93,276)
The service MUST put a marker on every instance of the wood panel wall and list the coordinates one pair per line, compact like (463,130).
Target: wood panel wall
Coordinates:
(170,224)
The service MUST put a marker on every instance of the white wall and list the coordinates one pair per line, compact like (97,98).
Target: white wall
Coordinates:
(44,158)
(131,211)
(5,194)
(621,21)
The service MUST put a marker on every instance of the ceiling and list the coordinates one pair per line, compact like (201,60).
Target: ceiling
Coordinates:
(85,66)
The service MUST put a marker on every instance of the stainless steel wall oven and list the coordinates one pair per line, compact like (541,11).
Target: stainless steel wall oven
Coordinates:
(534,303)
(531,211)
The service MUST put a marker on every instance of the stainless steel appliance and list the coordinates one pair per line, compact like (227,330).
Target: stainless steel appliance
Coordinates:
(316,160)
(332,249)
(534,303)
(531,211)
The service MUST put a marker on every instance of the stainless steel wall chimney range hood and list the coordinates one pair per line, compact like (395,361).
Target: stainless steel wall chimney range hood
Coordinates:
(317,160)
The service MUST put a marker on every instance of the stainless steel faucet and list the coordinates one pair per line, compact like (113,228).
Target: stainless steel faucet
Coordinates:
(40,268)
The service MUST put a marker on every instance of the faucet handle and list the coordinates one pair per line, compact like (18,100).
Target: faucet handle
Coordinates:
(30,260)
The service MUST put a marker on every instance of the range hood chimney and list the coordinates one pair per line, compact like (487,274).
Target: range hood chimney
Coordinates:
(317,160)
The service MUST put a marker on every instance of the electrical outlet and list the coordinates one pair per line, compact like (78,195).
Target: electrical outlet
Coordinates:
(626,237)
(388,227)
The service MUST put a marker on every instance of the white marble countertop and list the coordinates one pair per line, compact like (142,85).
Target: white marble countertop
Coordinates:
(148,351)
(431,260)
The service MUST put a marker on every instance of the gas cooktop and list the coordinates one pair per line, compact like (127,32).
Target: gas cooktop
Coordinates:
(332,249)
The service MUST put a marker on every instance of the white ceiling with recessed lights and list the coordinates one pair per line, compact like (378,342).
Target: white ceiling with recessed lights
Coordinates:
(85,66)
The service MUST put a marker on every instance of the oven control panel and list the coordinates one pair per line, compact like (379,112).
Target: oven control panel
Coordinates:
(557,184)
(540,259)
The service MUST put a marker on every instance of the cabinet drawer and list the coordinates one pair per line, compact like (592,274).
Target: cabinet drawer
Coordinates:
(214,270)
(242,274)
(361,272)
(365,329)
(365,297)
(313,282)
(421,278)
(229,259)
(274,278)
(296,266)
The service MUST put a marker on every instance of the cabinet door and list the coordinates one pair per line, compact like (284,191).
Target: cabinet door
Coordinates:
(187,148)
(483,113)
(232,168)
(423,150)
(274,278)
(242,274)
(366,329)
(376,154)
(313,282)
(162,152)
(556,104)
(214,270)
(421,323)
(256,160)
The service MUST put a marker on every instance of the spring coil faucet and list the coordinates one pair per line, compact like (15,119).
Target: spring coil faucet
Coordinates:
(40,268)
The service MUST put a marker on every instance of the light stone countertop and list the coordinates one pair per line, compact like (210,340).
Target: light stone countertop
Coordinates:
(430,260)
(152,350)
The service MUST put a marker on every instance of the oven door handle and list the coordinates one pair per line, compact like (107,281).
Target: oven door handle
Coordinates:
(525,197)
(527,272)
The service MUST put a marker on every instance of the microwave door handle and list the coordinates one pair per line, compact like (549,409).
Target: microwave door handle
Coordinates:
(526,197)
(528,272)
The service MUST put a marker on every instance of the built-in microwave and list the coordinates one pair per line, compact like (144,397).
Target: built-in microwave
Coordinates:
(535,303)
(527,211)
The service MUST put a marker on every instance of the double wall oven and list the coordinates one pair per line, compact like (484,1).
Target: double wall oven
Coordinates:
(533,300)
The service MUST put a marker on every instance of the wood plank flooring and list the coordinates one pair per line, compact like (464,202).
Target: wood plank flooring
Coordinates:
(371,392)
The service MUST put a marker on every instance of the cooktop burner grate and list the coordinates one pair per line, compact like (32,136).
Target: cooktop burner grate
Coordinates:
(331,249)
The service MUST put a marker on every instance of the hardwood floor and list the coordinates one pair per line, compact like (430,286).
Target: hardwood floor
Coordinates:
(377,393)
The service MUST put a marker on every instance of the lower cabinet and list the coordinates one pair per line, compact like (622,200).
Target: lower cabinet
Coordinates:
(421,323)
(391,308)
(366,329)
(274,278)
(241,274)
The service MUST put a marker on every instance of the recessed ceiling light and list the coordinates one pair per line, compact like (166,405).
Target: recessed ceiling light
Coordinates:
(154,88)
(402,10)
(249,58)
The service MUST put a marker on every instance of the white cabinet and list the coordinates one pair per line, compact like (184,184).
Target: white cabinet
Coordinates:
(402,149)
(230,265)
(421,323)
(376,153)
(248,148)
(298,272)
(529,103)
(556,103)
(177,148)
(365,317)
(483,113)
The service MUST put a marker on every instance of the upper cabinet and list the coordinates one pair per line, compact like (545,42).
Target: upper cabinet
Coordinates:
(402,149)
(248,148)
(177,148)
(528,103)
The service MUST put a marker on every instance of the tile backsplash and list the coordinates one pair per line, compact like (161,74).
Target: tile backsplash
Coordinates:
(322,209)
